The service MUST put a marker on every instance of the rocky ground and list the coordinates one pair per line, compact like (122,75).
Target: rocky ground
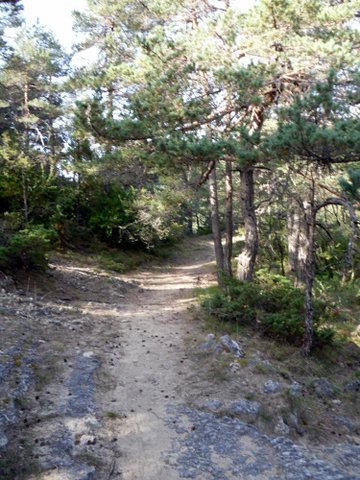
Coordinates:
(106,376)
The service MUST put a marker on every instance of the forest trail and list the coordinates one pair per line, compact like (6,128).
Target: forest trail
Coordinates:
(150,371)
(104,379)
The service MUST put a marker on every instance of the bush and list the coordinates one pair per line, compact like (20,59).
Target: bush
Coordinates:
(27,249)
(237,303)
(271,303)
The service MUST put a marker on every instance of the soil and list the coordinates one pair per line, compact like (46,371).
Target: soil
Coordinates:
(105,376)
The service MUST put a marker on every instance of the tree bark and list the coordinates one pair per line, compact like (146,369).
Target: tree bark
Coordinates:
(229,219)
(24,181)
(219,254)
(247,258)
(25,196)
(309,269)
(298,243)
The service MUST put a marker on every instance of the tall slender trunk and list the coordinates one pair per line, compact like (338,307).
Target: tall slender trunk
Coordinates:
(188,207)
(229,219)
(24,182)
(219,254)
(309,276)
(246,260)
(24,187)
(293,239)
(298,237)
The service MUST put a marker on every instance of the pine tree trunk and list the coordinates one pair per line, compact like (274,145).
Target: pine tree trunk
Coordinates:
(247,258)
(309,278)
(25,196)
(229,219)
(24,181)
(297,244)
(219,254)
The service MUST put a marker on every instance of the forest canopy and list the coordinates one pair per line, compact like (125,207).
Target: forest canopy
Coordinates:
(192,117)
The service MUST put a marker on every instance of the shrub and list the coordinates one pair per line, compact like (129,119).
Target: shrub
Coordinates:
(27,249)
(236,303)
(271,303)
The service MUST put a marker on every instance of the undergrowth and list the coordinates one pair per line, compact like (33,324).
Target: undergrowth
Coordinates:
(270,304)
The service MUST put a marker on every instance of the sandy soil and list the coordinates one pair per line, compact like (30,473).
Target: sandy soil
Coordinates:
(151,370)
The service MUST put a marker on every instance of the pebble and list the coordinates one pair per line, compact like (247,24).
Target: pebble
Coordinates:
(295,388)
(281,428)
(232,346)
(271,387)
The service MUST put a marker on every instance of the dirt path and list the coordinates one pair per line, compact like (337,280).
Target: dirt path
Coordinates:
(150,371)
(100,358)
(103,377)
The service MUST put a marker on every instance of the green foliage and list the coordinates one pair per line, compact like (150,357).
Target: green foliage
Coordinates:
(27,249)
(113,214)
(351,185)
(270,303)
(159,217)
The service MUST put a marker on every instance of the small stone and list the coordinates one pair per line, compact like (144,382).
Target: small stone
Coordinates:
(88,354)
(271,387)
(88,440)
(232,346)
(323,388)
(211,344)
(245,409)
(281,428)
(234,367)
(295,388)
(293,422)
(353,386)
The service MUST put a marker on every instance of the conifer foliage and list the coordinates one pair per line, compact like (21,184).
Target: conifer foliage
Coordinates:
(189,116)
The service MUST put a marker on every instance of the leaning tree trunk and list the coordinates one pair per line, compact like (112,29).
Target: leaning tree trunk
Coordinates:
(229,219)
(219,254)
(246,260)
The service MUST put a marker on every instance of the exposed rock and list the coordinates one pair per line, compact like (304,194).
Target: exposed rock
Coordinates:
(211,345)
(3,439)
(5,282)
(234,367)
(216,442)
(88,354)
(323,388)
(78,473)
(281,428)
(295,388)
(86,439)
(232,346)
(245,409)
(349,426)
(293,422)
(212,405)
(353,386)
(271,387)
(81,387)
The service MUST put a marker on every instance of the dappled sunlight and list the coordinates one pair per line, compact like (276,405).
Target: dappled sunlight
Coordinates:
(136,423)
(77,425)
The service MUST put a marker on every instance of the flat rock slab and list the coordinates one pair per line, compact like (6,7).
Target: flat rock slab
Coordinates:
(224,448)
(81,387)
